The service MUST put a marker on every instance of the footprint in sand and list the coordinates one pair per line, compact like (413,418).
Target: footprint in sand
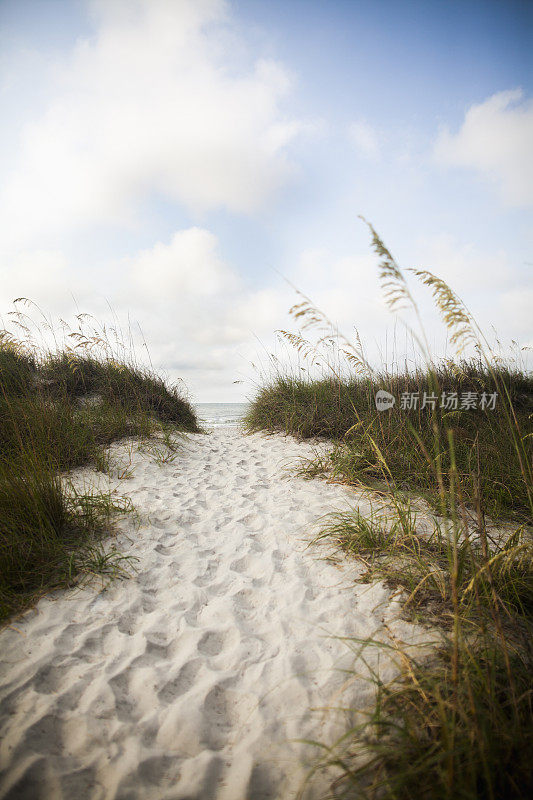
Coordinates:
(225,712)
(212,643)
(182,683)
(49,679)
(241,564)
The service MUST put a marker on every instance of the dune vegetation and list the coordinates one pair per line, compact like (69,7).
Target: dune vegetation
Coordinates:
(61,406)
(458,724)
(408,447)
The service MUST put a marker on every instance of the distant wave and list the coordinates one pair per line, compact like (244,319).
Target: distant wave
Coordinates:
(217,415)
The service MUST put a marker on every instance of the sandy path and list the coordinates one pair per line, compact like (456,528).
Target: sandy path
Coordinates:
(191,679)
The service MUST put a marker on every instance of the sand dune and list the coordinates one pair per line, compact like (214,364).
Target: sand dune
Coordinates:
(193,678)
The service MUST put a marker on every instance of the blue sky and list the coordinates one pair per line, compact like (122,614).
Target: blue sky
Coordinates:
(173,158)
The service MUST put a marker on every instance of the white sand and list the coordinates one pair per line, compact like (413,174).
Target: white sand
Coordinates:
(193,678)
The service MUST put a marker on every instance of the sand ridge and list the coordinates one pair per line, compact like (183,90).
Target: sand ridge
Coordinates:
(193,679)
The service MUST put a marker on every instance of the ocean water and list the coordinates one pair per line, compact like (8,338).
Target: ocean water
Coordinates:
(216,415)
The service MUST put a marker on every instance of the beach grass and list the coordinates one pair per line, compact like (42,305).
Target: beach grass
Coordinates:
(409,447)
(60,409)
(456,724)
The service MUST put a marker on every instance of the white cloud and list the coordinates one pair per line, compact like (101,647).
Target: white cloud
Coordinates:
(493,286)
(516,304)
(365,139)
(41,276)
(154,104)
(189,266)
(346,289)
(496,139)
(195,313)
(464,266)
(204,325)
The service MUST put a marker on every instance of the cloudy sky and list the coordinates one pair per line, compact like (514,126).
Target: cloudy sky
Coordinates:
(177,160)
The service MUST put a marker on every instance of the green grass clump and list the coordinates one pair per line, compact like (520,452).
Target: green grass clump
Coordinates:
(453,727)
(60,410)
(49,534)
(447,567)
(459,723)
(125,386)
(414,443)
(18,369)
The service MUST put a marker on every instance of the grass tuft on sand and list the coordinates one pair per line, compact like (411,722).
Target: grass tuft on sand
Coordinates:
(60,409)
